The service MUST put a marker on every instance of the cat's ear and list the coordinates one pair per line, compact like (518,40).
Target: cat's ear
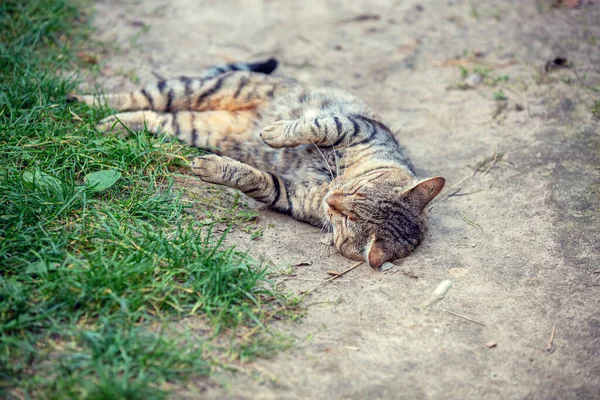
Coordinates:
(426,190)
(378,254)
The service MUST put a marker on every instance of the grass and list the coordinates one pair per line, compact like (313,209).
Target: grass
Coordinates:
(499,95)
(486,75)
(94,278)
(595,109)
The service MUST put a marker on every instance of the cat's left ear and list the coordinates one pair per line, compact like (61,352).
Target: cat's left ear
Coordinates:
(426,190)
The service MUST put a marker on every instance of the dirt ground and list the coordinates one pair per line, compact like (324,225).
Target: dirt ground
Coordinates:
(529,259)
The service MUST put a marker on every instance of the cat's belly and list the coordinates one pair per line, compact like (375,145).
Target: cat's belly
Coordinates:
(302,163)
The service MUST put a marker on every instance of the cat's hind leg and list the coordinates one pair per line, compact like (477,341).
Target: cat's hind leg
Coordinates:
(246,83)
(197,129)
(231,91)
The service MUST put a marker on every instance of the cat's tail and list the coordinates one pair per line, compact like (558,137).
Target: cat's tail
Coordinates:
(264,67)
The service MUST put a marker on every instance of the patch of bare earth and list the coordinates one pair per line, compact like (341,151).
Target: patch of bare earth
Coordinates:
(521,238)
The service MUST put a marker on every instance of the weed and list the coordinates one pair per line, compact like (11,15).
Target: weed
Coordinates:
(473,10)
(499,95)
(485,77)
(595,110)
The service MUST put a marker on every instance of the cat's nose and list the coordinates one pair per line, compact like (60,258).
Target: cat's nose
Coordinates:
(335,201)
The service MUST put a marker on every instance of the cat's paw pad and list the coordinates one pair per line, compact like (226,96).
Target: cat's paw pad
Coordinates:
(208,167)
(274,134)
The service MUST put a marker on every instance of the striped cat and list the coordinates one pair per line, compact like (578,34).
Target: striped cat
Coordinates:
(319,155)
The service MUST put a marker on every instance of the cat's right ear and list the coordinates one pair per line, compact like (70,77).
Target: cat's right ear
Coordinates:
(426,190)
(378,254)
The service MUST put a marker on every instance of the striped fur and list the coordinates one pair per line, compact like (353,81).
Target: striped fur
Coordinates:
(319,155)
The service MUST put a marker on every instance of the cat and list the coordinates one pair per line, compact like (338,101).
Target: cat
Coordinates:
(320,155)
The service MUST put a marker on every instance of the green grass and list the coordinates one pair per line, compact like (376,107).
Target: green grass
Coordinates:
(94,280)
(499,95)
(595,109)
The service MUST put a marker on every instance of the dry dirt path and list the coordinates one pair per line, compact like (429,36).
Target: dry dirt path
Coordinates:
(532,261)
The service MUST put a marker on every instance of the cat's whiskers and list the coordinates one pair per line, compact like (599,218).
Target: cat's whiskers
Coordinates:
(326,237)
(324,159)
(335,155)
(345,165)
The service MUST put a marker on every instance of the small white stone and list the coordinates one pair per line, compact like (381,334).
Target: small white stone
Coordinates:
(474,79)
(386,266)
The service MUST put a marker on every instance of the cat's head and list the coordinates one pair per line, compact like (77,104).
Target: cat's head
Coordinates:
(380,216)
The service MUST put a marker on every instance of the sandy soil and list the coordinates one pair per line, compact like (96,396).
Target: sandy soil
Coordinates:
(533,261)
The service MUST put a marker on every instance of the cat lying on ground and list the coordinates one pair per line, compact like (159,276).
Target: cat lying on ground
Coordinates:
(320,155)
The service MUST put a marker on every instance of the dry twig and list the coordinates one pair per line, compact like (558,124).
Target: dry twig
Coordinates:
(468,221)
(550,345)
(463,317)
(332,278)
(484,166)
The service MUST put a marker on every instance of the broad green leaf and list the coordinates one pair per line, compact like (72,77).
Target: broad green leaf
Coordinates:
(102,180)
(41,179)
(41,267)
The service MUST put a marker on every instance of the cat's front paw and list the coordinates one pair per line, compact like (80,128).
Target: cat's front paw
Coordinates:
(107,124)
(114,124)
(274,135)
(208,168)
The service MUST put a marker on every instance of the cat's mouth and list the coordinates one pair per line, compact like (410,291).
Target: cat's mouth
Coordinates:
(345,244)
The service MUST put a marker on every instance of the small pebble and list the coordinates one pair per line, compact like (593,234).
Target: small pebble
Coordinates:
(474,79)
(438,293)
(443,288)
(386,266)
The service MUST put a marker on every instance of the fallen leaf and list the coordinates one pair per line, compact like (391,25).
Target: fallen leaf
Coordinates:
(333,272)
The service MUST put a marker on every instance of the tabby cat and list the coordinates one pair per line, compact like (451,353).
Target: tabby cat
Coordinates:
(319,155)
